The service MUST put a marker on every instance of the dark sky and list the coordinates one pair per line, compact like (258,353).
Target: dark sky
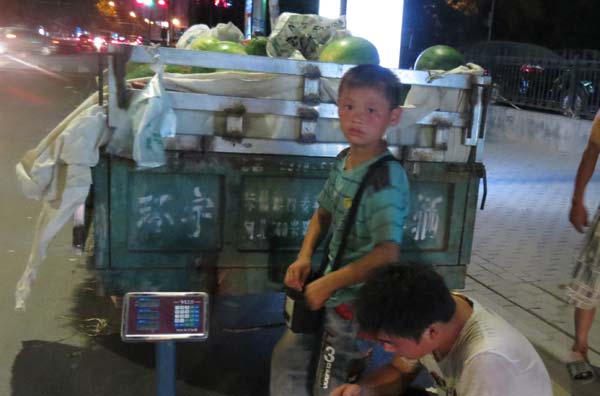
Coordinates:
(552,23)
(555,24)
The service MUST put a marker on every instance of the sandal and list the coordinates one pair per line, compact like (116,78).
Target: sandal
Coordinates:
(581,371)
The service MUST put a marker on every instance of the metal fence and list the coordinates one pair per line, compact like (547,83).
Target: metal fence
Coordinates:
(568,87)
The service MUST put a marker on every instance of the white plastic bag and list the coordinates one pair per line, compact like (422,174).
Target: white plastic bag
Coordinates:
(306,34)
(149,119)
(152,119)
(227,32)
(191,35)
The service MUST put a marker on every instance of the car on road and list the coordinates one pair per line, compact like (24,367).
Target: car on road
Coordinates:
(134,39)
(85,42)
(15,40)
(66,43)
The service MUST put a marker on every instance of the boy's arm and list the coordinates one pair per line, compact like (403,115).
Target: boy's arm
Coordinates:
(390,379)
(299,270)
(318,291)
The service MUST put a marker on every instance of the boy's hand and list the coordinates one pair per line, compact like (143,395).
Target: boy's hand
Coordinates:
(347,390)
(297,273)
(317,292)
(578,216)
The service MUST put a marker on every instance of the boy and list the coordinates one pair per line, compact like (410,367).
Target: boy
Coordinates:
(468,350)
(584,291)
(367,104)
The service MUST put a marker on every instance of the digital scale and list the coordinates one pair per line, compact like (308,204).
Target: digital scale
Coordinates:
(164,318)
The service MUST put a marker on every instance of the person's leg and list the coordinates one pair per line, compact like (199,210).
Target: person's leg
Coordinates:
(584,290)
(291,360)
(342,356)
(583,323)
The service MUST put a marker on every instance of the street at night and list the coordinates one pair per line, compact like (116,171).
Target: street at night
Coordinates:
(207,178)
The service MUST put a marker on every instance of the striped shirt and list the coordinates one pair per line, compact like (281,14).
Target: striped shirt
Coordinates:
(380,215)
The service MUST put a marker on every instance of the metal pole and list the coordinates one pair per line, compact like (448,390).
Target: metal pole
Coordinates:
(491,20)
(100,80)
(165,368)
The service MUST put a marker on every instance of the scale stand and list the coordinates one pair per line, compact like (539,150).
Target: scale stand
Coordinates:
(164,318)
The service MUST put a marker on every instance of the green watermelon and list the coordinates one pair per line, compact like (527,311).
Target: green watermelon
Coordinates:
(202,43)
(350,50)
(439,57)
(214,45)
(228,47)
(257,46)
(178,69)
(137,70)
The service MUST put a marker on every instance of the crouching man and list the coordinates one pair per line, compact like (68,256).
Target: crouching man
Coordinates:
(467,349)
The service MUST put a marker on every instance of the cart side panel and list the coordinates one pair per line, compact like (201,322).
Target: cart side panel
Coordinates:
(239,220)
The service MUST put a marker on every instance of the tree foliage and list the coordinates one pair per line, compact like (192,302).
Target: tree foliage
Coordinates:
(105,9)
(467,7)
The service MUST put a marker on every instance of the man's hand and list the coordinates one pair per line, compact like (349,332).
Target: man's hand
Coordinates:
(347,390)
(317,293)
(297,273)
(578,216)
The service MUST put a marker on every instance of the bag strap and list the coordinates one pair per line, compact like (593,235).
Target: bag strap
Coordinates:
(350,216)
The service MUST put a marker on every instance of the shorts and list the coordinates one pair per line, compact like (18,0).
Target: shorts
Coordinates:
(584,290)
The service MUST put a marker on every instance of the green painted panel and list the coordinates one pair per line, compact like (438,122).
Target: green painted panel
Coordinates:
(171,212)
(428,224)
(101,197)
(434,226)
(276,211)
(241,218)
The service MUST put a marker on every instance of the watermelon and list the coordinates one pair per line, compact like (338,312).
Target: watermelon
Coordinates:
(228,47)
(200,44)
(439,57)
(137,70)
(178,69)
(257,46)
(350,50)
(214,45)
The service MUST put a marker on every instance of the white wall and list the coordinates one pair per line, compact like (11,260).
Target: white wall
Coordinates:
(380,22)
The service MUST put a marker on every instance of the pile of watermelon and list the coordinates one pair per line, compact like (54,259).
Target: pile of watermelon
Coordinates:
(347,50)
(255,46)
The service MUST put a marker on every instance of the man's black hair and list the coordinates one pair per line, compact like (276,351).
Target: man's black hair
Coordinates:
(403,300)
(373,76)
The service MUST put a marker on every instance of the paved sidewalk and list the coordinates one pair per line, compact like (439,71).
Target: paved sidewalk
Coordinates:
(524,250)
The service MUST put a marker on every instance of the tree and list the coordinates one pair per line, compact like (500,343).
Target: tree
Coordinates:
(105,9)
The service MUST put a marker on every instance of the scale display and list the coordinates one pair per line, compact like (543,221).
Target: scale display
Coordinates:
(161,316)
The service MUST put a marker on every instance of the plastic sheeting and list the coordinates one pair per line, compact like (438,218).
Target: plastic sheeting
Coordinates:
(58,173)
(58,170)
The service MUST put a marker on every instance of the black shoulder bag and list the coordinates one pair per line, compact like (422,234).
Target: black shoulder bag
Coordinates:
(298,317)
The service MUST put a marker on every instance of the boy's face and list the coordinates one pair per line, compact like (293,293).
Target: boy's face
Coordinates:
(365,114)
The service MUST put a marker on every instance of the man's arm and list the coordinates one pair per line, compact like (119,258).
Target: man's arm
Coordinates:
(299,270)
(390,379)
(318,291)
